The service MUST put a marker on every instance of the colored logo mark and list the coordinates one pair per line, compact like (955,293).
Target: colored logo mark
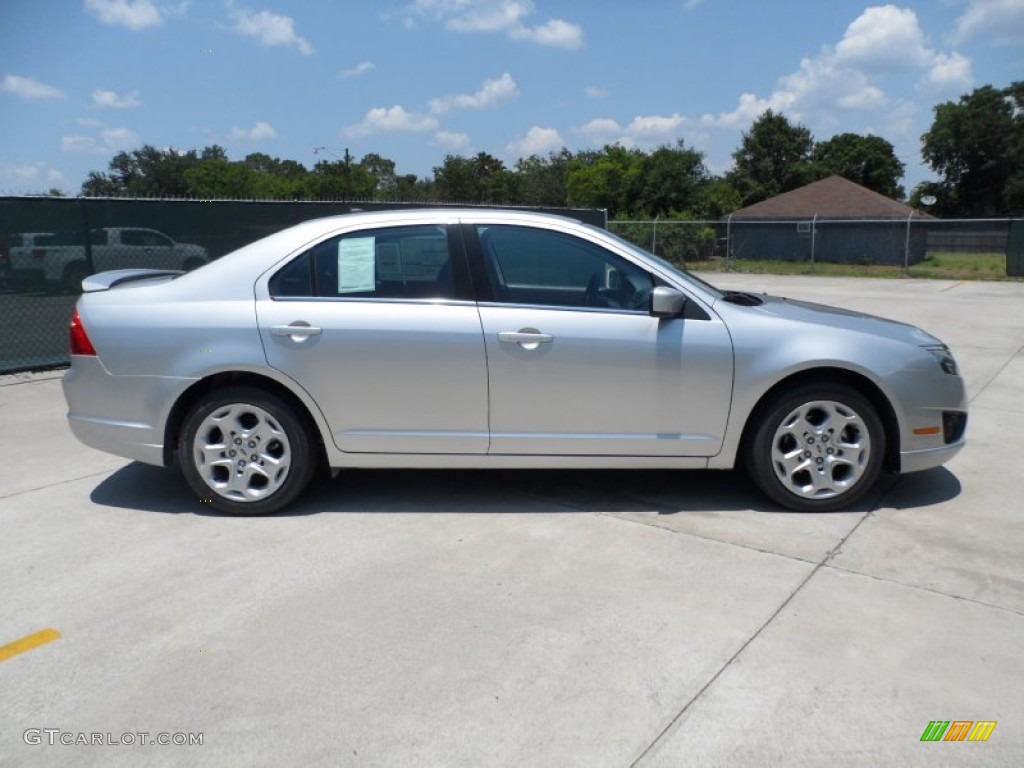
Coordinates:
(958,730)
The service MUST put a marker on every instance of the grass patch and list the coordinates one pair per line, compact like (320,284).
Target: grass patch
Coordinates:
(943,266)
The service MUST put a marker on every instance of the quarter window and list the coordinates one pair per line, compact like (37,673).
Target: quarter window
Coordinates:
(392,263)
(537,266)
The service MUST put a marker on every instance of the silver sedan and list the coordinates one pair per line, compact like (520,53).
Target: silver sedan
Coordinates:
(492,339)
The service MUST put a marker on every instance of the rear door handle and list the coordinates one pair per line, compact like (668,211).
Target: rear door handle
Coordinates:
(525,337)
(298,328)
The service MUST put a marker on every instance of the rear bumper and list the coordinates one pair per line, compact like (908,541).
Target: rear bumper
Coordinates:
(122,415)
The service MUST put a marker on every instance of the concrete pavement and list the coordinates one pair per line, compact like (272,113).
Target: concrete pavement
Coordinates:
(401,618)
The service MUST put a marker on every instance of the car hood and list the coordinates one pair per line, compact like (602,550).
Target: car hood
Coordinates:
(834,317)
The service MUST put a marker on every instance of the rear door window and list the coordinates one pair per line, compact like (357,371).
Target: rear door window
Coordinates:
(411,262)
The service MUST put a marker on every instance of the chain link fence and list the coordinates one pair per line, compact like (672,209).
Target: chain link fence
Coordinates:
(48,245)
(922,246)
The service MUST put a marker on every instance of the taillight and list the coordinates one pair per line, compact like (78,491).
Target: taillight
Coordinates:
(38,254)
(80,344)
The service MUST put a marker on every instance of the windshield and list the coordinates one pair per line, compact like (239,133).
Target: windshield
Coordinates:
(667,265)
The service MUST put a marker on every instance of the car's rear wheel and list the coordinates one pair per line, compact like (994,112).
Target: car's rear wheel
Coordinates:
(816,449)
(245,451)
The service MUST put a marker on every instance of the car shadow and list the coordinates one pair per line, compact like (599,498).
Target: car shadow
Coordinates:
(660,492)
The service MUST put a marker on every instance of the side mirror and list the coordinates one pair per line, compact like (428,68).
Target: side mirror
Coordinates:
(667,302)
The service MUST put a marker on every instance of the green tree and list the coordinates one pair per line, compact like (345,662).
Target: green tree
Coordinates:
(672,180)
(478,179)
(144,172)
(274,179)
(220,178)
(382,170)
(719,198)
(340,180)
(774,156)
(609,178)
(976,145)
(542,180)
(866,160)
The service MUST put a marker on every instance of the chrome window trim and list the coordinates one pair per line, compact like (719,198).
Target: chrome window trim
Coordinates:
(373,300)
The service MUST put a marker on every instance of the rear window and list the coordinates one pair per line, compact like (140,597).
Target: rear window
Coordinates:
(392,263)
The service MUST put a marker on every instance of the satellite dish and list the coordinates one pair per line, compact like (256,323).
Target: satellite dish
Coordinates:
(929,200)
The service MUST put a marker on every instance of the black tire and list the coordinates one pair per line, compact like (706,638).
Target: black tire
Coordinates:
(830,444)
(262,433)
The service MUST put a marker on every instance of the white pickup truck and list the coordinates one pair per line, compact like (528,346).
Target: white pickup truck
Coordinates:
(59,261)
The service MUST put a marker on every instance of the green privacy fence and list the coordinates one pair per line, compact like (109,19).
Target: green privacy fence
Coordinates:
(48,245)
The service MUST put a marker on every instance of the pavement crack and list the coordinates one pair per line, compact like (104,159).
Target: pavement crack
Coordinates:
(618,516)
(65,481)
(782,606)
(929,590)
(997,374)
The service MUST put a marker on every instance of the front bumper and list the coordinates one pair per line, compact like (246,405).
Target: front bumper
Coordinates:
(928,458)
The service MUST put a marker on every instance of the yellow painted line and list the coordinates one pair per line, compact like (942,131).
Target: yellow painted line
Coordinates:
(42,637)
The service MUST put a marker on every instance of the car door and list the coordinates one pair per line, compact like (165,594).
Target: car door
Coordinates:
(379,326)
(577,364)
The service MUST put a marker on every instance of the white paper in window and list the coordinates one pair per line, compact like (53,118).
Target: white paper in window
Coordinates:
(356,267)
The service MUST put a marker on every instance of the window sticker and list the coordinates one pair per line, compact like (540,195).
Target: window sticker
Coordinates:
(356,265)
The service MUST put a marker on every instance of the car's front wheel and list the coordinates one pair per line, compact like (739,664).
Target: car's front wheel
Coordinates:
(816,449)
(245,451)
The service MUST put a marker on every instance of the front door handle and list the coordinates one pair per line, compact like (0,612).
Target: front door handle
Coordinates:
(527,338)
(298,330)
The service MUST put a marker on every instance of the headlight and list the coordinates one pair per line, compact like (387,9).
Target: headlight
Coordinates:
(944,358)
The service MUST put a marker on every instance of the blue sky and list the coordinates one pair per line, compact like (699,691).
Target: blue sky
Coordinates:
(414,80)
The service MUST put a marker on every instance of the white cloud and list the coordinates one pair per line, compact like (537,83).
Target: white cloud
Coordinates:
(643,130)
(884,39)
(884,42)
(271,29)
(110,100)
(948,75)
(119,138)
(259,132)
(453,142)
(656,127)
(536,142)
(492,93)
(359,69)
(89,122)
(600,130)
(595,92)
(30,88)
(1001,21)
(31,178)
(390,120)
(689,5)
(864,99)
(134,14)
(498,16)
(554,34)
(107,141)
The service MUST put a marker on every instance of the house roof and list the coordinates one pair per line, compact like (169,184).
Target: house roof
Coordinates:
(831,198)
